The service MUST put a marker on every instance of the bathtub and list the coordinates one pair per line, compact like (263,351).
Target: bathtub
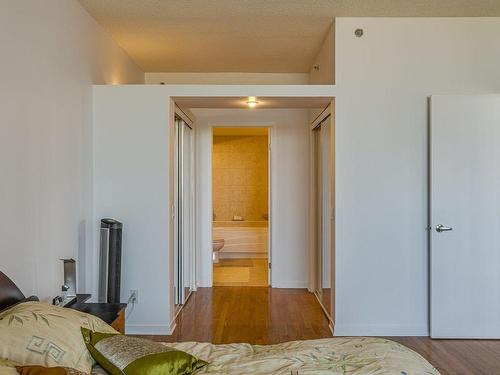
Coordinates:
(243,239)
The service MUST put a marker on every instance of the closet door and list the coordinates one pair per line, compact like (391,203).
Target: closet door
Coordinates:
(326,224)
(177,223)
(465,216)
(323,207)
(187,211)
(184,212)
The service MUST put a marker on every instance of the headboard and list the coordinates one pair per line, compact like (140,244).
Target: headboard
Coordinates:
(10,294)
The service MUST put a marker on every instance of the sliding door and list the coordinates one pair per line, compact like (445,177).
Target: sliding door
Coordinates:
(187,211)
(184,212)
(323,202)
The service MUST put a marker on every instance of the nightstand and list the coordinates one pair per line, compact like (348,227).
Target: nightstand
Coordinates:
(111,313)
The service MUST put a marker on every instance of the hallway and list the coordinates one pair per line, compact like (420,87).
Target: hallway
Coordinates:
(257,315)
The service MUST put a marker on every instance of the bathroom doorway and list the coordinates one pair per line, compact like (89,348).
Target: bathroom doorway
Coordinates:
(240,202)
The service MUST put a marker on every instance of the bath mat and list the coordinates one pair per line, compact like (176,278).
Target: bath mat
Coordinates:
(231,275)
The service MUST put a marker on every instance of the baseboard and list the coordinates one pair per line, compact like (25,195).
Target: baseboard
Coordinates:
(293,284)
(332,328)
(202,283)
(379,330)
(149,329)
(325,311)
(173,325)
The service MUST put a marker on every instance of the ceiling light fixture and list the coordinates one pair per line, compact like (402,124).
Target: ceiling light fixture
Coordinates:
(252,102)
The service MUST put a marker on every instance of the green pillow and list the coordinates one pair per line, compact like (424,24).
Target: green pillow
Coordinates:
(120,354)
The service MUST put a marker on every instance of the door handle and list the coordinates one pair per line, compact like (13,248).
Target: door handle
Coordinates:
(441,228)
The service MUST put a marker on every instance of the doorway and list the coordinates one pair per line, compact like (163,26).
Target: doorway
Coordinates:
(288,121)
(240,204)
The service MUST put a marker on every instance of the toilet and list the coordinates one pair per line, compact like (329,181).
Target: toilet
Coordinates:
(217,245)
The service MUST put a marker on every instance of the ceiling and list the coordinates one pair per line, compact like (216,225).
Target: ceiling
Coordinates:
(247,35)
(241,102)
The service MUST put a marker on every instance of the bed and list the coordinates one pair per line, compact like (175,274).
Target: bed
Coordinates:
(342,355)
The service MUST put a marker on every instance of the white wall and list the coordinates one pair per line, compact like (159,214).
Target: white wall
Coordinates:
(228,78)
(383,81)
(52,52)
(132,160)
(289,189)
(131,184)
(325,61)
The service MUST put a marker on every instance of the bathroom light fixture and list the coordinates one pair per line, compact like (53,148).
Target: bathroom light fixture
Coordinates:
(252,102)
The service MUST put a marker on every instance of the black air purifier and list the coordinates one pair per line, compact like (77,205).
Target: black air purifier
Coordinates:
(110,261)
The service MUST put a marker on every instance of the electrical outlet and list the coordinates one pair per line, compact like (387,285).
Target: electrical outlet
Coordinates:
(134,296)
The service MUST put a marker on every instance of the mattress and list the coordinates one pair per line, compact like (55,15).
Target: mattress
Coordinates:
(342,356)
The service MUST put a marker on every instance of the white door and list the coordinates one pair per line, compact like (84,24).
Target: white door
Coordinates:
(465,216)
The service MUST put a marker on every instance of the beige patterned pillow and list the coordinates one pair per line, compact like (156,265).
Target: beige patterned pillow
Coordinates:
(35,333)
(40,370)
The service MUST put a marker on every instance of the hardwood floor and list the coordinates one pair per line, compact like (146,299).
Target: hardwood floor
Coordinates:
(262,315)
(457,357)
(258,315)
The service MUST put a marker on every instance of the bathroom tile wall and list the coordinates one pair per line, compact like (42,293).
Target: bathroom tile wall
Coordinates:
(240,178)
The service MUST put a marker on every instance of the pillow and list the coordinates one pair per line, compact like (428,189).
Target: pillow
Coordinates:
(8,367)
(35,333)
(40,370)
(31,298)
(120,354)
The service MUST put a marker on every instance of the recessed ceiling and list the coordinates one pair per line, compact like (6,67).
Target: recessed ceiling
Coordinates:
(247,35)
